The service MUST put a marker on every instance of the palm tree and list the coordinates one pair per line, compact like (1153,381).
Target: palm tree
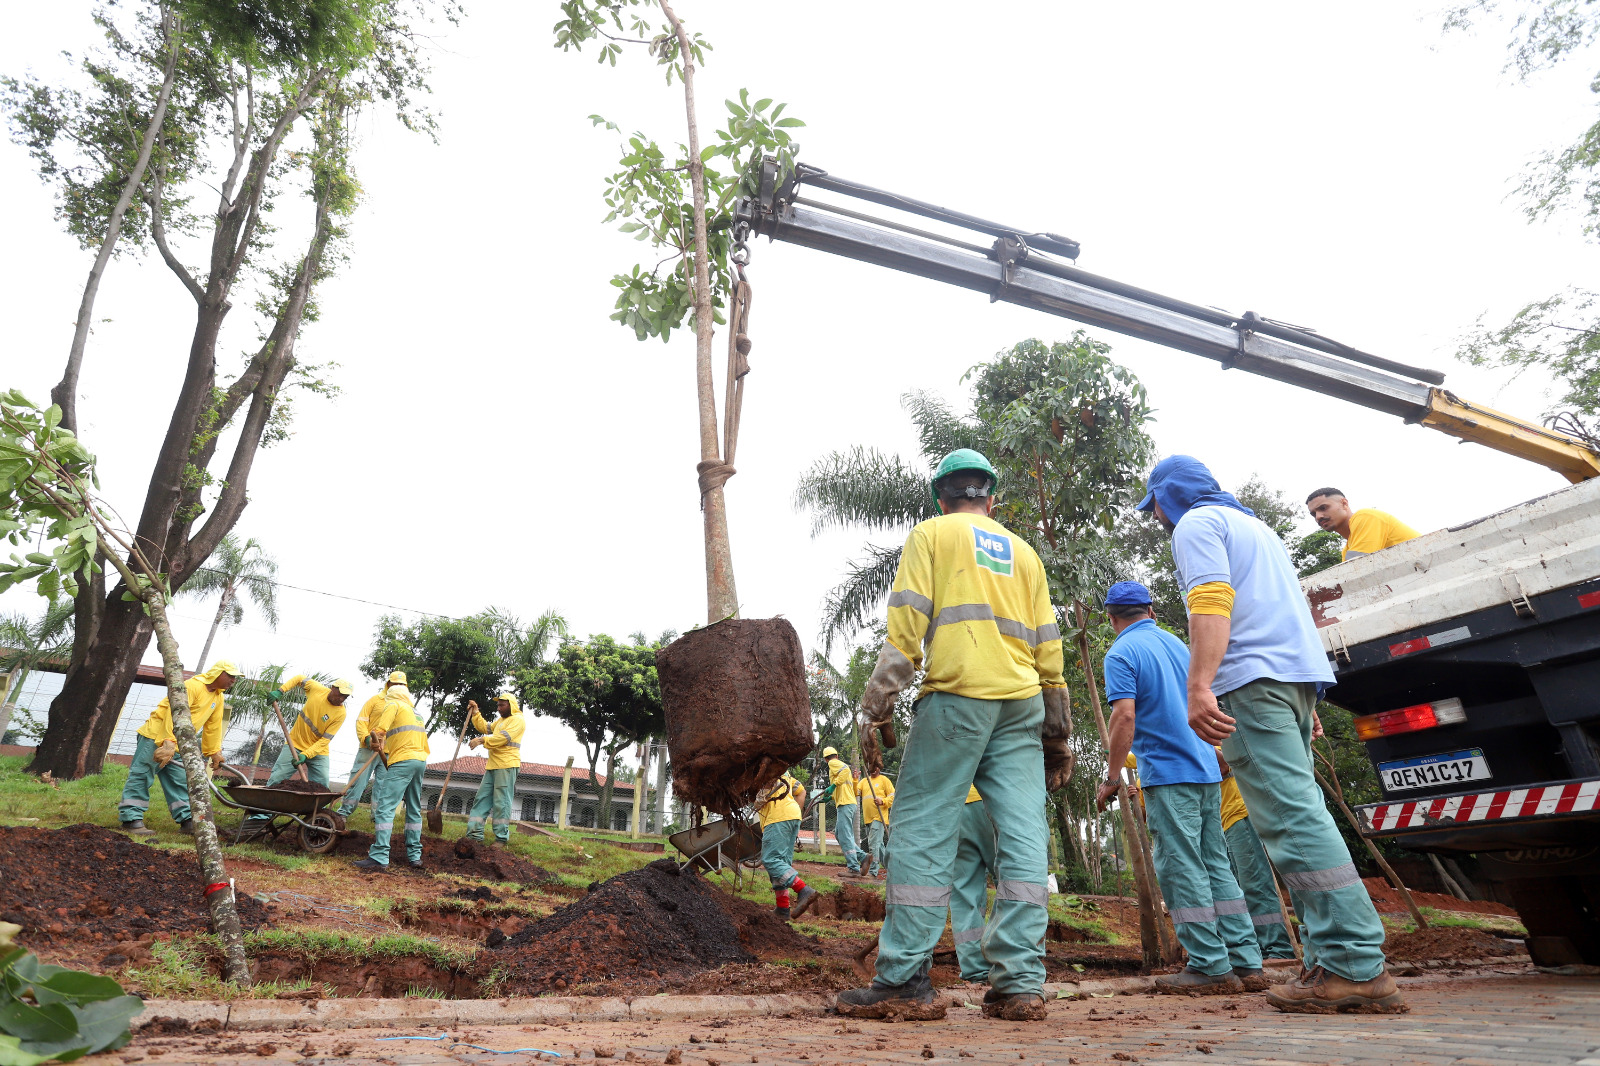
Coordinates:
(864,488)
(27,643)
(236,569)
(524,647)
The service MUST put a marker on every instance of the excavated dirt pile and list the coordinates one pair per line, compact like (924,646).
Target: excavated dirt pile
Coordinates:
(462,857)
(738,713)
(294,784)
(1446,942)
(644,929)
(1388,901)
(89,884)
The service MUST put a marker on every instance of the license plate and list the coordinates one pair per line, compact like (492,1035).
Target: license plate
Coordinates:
(1450,768)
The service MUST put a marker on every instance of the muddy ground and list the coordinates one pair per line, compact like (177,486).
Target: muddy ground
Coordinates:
(1388,901)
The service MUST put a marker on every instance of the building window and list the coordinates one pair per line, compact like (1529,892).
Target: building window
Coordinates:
(530,808)
(547,809)
(619,819)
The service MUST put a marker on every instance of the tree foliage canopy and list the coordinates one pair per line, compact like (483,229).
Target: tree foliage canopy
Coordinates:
(447,661)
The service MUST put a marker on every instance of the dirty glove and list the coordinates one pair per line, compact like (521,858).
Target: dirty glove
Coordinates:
(1057,731)
(893,673)
(475,742)
(165,751)
(216,761)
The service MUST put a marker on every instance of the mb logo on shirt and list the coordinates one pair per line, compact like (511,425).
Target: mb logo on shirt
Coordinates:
(993,551)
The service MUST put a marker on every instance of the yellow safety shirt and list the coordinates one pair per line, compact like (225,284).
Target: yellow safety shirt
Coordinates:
(504,739)
(844,785)
(1372,530)
(780,804)
(972,795)
(1233,807)
(373,705)
(405,737)
(972,597)
(876,790)
(319,720)
(205,710)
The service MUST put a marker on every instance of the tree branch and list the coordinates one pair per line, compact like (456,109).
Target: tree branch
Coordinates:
(158,230)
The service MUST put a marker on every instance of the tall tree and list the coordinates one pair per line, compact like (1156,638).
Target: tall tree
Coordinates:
(260,107)
(650,196)
(236,571)
(27,643)
(605,691)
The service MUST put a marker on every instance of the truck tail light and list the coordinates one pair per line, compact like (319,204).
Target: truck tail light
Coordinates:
(1410,719)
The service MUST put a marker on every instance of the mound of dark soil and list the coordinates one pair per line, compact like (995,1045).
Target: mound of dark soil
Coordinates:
(644,926)
(1388,901)
(294,784)
(461,857)
(1445,942)
(764,934)
(86,883)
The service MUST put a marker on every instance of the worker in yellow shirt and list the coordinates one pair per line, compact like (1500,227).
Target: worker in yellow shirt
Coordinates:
(876,793)
(1365,531)
(365,766)
(971,605)
(779,806)
(969,894)
(319,719)
(503,742)
(1252,869)
(401,736)
(155,752)
(847,812)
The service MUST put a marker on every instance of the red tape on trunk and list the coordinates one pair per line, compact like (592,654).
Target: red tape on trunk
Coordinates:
(218,887)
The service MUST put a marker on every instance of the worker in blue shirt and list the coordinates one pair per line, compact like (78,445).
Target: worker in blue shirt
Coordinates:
(1147,671)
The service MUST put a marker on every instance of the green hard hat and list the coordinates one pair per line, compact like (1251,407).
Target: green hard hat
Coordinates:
(956,461)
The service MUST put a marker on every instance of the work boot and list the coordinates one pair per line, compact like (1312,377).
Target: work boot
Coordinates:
(913,1001)
(415,866)
(804,900)
(137,828)
(372,866)
(1014,1006)
(186,827)
(1317,991)
(1253,980)
(782,913)
(1187,982)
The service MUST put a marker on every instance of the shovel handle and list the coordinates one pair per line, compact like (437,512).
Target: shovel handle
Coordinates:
(299,770)
(438,804)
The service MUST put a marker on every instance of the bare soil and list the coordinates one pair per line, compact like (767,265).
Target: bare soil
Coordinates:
(1388,901)
(737,710)
(294,784)
(85,885)
(462,857)
(1445,942)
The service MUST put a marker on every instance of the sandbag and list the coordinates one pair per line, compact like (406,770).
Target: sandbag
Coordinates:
(737,709)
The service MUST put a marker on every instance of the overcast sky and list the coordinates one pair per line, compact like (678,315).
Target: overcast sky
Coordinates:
(500,442)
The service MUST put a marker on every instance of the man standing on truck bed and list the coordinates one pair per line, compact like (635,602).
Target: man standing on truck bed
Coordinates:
(1255,668)
(1365,531)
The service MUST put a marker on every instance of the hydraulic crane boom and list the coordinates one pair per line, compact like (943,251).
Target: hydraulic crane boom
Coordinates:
(1020,268)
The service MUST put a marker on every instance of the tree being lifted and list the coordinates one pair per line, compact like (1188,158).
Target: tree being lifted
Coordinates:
(268,89)
(758,722)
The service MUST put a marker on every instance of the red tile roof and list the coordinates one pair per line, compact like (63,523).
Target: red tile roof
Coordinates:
(475,764)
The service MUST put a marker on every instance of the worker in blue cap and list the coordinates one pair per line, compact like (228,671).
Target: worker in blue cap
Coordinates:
(1147,673)
(1256,665)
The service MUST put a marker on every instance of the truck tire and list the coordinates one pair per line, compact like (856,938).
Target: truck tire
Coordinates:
(1562,915)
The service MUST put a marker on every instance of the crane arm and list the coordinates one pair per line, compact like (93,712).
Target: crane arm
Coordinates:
(1019,267)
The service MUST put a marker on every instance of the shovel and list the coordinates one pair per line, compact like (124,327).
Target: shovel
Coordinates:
(436,812)
(301,769)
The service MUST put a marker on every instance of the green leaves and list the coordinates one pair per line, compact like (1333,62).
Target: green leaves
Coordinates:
(50,1012)
(45,474)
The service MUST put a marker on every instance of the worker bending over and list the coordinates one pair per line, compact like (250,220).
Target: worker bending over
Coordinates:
(1365,531)
(365,766)
(847,812)
(156,748)
(503,742)
(972,604)
(1256,665)
(969,894)
(319,719)
(1146,675)
(876,793)
(779,807)
(402,740)
(1252,869)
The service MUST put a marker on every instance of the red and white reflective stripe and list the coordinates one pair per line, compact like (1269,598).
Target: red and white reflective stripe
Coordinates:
(1432,640)
(1576,796)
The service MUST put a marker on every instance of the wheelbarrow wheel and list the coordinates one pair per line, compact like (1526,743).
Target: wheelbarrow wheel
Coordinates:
(320,835)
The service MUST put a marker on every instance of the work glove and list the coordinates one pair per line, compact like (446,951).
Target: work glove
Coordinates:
(216,761)
(300,760)
(1055,735)
(475,742)
(376,738)
(893,673)
(165,752)
(275,695)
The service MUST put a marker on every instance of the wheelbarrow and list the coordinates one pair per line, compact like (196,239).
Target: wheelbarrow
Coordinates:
(718,845)
(319,831)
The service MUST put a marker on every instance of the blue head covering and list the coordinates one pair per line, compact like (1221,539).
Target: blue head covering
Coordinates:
(1129,593)
(1181,483)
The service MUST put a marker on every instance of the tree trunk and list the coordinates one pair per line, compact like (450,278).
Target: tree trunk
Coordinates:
(661,787)
(84,714)
(603,818)
(722,600)
(216,623)
(641,782)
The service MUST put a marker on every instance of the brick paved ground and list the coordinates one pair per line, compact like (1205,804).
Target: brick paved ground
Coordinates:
(1531,1020)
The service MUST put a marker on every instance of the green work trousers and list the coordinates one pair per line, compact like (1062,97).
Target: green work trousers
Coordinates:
(777,852)
(847,822)
(957,742)
(360,771)
(969,895)
(283,769)
(877,846)
(1270,752)
(1254,874)
(136,793)
(400,783)
(1209,913)
(494,795)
